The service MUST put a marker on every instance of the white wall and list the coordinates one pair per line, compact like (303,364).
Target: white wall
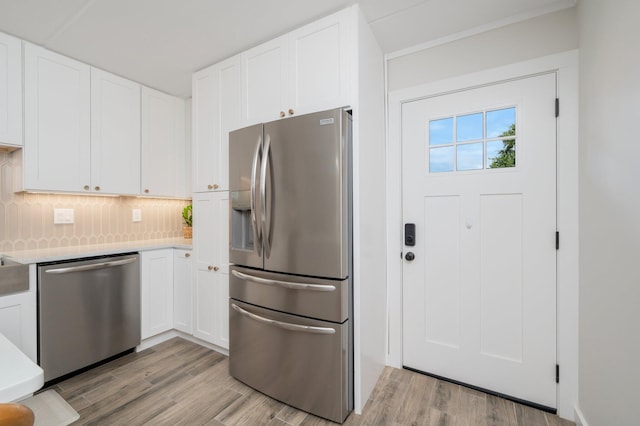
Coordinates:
(545,35)
(609,371)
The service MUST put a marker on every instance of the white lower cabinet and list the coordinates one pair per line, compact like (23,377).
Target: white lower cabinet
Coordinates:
(18,318)
(156,271)
(182,293)
(211,267)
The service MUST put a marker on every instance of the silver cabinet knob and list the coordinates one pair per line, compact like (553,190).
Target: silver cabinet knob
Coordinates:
(290,111)
(146,191)
(213,268)
(282,114)
(87,187)
(97,188)
(187,255)
(210,268)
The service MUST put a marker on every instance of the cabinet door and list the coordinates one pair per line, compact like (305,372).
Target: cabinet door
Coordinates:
(320,64)
(18,317)
(57,122)
(115,134)
(211,252)
(162,143)
(10,91)
(216,111)
(182,297)
(156,291)
(264,82)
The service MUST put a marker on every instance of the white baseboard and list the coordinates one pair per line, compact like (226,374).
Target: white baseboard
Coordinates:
(580,420)
(156,340)
(167,335)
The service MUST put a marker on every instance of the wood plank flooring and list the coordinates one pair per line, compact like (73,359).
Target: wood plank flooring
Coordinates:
(181,383)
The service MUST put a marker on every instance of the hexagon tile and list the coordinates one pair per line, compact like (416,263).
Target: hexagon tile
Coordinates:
(26,220)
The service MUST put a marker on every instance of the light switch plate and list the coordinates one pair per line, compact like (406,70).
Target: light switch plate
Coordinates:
(62,216)
(136,215)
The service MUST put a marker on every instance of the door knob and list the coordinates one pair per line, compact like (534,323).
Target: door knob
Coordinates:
(409,256)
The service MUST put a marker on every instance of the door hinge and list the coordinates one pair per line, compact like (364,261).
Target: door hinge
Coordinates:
(400,255)
(557,240)
(557,107)
(557,373)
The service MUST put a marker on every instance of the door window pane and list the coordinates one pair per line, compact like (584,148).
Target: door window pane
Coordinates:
(469,156)
(501,122)
(501,153)
(469,127)
(441,159)
(441,131)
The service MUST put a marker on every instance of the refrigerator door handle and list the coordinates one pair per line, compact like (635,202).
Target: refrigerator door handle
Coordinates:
(284,325)
(254,220)
(285,284)
(263,195)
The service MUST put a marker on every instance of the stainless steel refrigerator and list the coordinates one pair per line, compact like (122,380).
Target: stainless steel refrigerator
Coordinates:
(290,305)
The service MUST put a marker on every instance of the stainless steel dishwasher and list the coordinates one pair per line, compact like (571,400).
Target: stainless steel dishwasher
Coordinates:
(88,311)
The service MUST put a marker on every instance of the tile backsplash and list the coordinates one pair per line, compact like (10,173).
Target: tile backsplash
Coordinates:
(26,220)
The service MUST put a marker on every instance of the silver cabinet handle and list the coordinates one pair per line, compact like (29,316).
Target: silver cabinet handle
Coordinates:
(92,267)
(284,325)
(252,198)
(263,195)
(285,284)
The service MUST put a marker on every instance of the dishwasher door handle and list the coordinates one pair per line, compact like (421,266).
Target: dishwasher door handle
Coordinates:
(101,265)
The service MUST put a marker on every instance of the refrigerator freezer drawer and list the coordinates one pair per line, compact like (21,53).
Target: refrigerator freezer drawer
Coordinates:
(311,297)
(312,374)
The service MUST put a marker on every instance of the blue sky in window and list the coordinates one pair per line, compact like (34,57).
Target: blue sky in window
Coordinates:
(441,159)
(469,156)
(441,131)
(499,121)
(469,127)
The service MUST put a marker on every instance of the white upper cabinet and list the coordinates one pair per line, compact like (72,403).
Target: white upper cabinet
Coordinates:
(306,70)
(216,111)
(115,134)
(57,122)
(264,82)
(320,64)
(10,91)
(163,143)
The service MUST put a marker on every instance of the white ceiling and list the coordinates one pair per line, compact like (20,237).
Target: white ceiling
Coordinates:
(161,42)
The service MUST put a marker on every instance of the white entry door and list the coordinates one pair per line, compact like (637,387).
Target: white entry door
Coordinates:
(479,183)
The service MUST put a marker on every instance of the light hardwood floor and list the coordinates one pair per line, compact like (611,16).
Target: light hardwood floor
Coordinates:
(181,383)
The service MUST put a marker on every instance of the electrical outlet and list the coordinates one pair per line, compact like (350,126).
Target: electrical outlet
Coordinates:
(136,215)
(62,216)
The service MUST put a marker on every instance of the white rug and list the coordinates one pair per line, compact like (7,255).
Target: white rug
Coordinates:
(50,409)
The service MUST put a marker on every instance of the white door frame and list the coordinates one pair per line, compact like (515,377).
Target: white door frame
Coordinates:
(566,66)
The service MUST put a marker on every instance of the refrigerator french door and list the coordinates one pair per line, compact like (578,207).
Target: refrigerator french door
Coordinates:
(291,253)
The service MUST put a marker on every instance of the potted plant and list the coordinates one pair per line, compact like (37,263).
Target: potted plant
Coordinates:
(187,217)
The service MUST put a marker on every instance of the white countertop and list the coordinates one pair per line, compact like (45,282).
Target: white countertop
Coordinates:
(19,376)
(65,253)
